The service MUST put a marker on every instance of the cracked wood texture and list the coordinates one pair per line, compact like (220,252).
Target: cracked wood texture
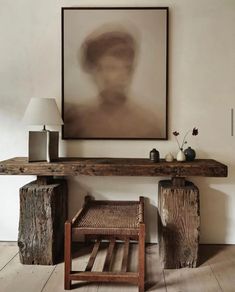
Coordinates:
(43,212)
(179,224)
(113,167)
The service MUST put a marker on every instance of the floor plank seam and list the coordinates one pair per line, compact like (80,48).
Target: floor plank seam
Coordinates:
(9,261)
(48,278)
(213,275)
(163,274)
(216,278)
(8,243)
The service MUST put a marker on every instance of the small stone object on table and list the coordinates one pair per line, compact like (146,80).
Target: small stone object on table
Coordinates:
(154,155)
(169,157)
(180,156)
(190,154)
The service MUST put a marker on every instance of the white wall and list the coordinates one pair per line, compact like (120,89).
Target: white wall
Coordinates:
(201,93)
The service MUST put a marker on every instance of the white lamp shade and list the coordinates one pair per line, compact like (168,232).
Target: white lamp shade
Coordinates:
(42,111)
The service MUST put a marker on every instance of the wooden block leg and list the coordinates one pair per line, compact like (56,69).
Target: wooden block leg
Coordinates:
(179,223)
(141,257)
(43,212)
(67,256)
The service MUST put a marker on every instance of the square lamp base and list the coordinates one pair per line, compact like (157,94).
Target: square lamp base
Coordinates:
(43,145)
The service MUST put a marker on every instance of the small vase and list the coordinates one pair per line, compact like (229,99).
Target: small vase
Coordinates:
(154,155)
(190,154)
(180,156)
(169,157)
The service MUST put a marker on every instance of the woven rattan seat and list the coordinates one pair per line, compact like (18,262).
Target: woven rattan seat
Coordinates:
(100,214)
(108,220)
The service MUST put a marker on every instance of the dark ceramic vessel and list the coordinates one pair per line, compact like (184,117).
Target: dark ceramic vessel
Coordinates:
(190,154)
(154,155)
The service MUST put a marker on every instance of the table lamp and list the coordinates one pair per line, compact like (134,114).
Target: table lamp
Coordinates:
(44,144)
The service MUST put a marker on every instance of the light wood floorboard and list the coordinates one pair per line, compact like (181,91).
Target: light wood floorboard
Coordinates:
(116,266)
(15,277)
(222,263)
(215,273)
(8,243)
(197,280)
(7,253)
(154,280)
(56,282)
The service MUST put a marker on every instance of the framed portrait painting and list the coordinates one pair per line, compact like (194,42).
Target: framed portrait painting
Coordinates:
(114,73)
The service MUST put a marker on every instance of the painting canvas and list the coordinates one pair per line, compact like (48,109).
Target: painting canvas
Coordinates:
(114,73)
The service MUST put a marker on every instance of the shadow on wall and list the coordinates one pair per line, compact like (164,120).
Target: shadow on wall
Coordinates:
(77,193)
(76,196)
(214,208)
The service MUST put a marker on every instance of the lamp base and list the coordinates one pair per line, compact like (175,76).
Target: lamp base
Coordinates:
(43,146)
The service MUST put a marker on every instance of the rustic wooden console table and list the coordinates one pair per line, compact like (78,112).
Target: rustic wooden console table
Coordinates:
(43,203)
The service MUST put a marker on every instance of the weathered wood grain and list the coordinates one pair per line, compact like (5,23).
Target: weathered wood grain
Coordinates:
(113,167)
(179,224)
(43,212)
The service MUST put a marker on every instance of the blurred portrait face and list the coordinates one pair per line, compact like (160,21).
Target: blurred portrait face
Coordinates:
(112,75)
(109,58)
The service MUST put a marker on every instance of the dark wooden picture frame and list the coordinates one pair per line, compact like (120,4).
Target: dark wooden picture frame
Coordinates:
(115,73)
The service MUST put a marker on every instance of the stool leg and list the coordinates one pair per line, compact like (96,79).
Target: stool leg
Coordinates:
(141,257)
(67,256)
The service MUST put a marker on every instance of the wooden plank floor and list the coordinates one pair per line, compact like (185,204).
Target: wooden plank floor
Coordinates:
(215,273)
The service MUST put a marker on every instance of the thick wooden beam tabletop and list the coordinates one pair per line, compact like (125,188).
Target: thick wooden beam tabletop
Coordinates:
(113,167)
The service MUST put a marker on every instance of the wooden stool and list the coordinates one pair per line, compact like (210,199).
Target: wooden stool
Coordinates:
(110,220)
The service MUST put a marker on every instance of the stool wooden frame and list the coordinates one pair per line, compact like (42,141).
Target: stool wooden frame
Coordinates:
(120,220)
